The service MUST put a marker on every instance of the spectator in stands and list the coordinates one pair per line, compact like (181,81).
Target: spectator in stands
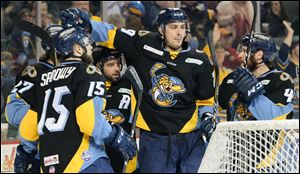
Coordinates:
(134,11)
(198,18)
(152,9)
(220,55)
(117,20)
(274,17)
(236,17)
(22,47)
(83,5)
(86,6)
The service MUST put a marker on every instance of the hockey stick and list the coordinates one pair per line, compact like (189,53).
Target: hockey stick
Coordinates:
(209,38)
(132,75)
(251,33)
(248,51)
(39,32)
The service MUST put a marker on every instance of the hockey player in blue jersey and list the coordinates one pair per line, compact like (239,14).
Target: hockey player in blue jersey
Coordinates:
(258,92)
(21,104)
(69,125)
(178,88)
(118,100)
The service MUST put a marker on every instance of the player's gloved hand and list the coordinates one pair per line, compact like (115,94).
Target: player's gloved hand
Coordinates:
(247,84)
(208,124)
(121,141)
(23,160)
(74,17)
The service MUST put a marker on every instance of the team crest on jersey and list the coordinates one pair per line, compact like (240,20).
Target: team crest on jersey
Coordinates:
(164,87)
(238,109)
(91,69)
(30,71)
(114,116)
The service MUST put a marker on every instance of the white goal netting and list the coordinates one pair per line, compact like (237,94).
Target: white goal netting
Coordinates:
(253,146)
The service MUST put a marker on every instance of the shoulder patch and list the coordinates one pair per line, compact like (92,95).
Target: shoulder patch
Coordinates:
(91,69)
(193,60)
(30,71)
(143,32)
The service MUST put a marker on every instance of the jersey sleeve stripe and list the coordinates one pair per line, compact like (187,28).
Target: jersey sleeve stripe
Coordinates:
(28,127)
(90,114)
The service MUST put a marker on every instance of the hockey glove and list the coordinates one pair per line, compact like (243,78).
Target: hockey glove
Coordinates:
(247,84)
(23,160)
(74,17)
(120,140)
(208,124)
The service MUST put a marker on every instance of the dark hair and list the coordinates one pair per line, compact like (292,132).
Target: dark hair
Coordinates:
(283,14)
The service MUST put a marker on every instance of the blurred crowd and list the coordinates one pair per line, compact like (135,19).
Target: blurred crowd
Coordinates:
(229,20)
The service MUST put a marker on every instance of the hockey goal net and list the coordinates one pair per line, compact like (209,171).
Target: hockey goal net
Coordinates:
(253,146)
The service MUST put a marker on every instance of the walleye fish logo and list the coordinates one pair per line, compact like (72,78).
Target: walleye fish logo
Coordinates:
(238,109)
(114,116)
(164,87)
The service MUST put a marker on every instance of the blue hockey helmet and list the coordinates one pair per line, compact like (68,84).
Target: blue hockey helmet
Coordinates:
(65,40)
(136,7)
(261,41)
(52,30)
(170,15)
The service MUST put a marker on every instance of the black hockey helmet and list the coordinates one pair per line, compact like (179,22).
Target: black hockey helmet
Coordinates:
(260,41)
(103,54)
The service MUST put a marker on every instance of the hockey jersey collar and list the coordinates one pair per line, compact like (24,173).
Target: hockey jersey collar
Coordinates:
(49,65)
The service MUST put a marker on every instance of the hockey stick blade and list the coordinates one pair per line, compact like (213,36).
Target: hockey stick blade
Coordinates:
(39,32)
(132,75)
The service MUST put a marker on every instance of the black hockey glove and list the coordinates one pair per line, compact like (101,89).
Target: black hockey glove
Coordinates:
(23,160)
(74,17)
(247,84)
(208,124)
(120,140)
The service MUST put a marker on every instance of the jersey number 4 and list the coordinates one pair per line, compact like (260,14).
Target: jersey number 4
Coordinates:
(51,123)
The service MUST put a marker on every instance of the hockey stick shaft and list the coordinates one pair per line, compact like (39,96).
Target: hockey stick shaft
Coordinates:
(254,3)
(251,33)
(42,34)
(132,75)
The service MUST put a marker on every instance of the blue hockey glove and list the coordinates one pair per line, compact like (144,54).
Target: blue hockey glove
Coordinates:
(208,124)
(74,17)
(247,84)
(121,141)
(23,160)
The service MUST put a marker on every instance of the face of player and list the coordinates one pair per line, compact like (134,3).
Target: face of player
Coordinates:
(254,60)
(112,69)
(87,57)
(174,34)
